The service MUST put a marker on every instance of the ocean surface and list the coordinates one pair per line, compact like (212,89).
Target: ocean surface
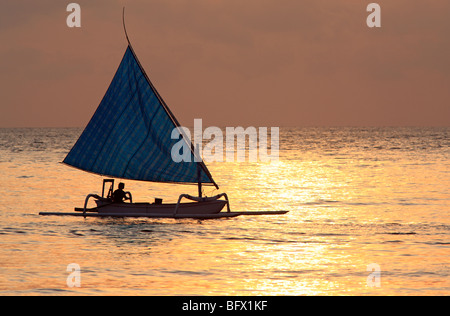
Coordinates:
(369,214)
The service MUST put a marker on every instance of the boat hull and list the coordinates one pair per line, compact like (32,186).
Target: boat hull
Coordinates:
(189,208)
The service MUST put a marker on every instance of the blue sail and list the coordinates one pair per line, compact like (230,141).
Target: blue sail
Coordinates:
(129,135)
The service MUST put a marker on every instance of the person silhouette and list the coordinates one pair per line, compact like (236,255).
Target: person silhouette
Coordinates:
(119,194)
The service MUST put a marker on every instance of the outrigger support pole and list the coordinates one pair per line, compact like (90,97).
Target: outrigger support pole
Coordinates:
(200,199)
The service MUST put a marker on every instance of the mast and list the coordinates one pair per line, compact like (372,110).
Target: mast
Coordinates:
(199,180)
(199,176)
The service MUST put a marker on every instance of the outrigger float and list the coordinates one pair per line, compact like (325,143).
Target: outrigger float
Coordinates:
(130,137)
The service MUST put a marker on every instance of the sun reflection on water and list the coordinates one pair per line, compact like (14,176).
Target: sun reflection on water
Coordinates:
(350,204)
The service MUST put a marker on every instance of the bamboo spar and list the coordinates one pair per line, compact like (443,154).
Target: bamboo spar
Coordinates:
(171,116)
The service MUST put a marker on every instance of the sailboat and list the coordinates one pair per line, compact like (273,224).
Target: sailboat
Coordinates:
(129,137)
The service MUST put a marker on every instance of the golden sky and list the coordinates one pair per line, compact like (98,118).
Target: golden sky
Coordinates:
(232,62)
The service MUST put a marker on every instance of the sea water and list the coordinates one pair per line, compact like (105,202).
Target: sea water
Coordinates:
(368,215)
